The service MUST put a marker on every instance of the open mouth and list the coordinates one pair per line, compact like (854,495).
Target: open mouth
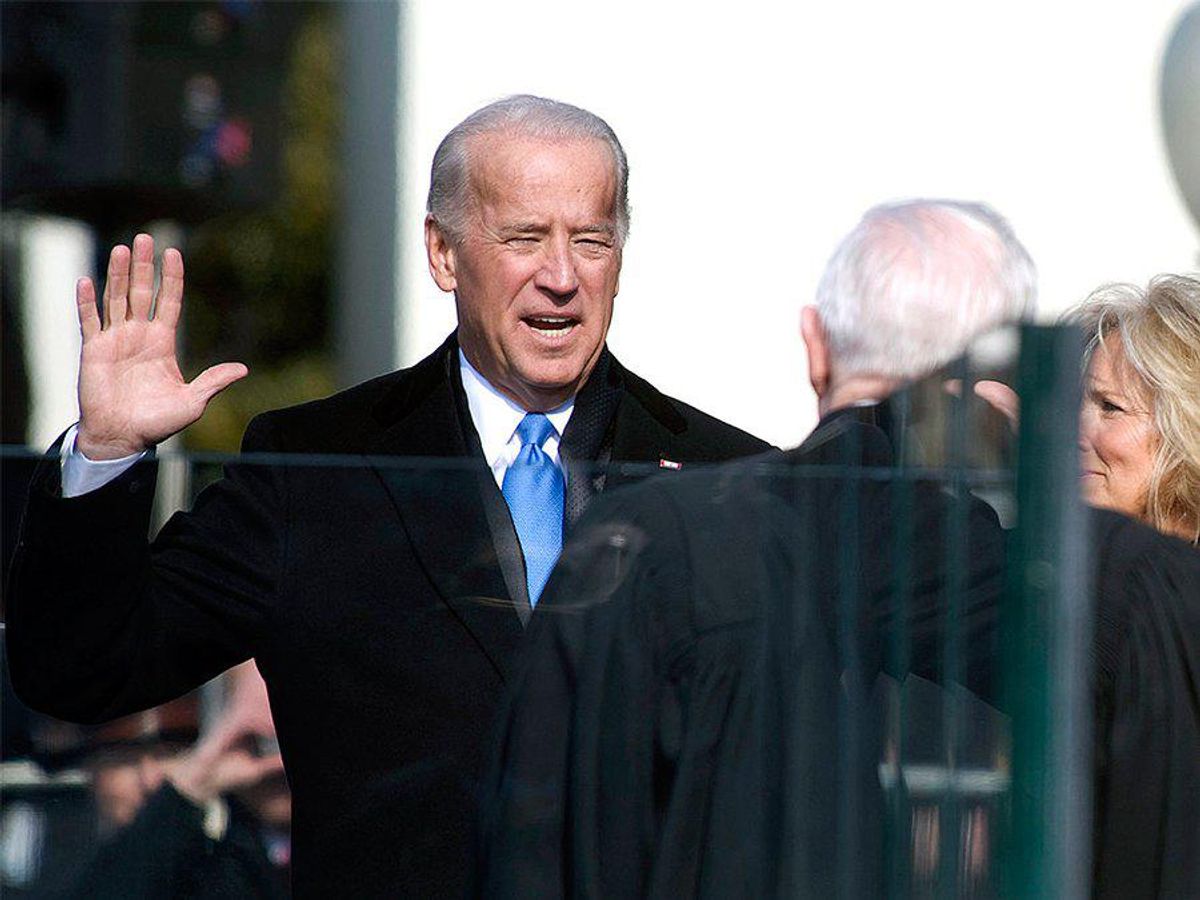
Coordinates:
(554,327)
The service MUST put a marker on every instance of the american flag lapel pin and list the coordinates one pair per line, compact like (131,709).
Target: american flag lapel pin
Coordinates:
(669,464)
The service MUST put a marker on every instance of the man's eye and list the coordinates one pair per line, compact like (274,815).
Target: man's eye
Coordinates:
(1107,405)
(523,241)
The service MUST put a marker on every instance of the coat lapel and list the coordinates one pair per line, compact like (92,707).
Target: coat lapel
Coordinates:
(447,500)
(587,440)
(439,488)
(644,432)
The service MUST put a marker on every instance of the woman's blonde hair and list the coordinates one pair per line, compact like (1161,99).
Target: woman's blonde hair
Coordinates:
(1159,330)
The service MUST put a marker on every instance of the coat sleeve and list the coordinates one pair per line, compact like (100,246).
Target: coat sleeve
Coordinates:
(1147,729)
(102,623)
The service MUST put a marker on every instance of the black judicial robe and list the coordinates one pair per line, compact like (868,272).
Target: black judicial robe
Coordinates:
(381,594)
(1147,729)
(692,715)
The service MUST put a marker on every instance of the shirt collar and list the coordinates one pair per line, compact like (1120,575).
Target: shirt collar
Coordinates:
(495,416)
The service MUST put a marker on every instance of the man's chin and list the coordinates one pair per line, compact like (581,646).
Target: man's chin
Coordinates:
(544,392)
(555,381)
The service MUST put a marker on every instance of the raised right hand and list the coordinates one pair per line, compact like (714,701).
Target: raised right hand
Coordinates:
(131,392)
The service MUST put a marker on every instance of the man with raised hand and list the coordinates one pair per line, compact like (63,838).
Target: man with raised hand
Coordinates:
(382,604)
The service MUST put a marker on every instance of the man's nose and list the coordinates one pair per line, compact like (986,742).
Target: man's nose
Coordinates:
(557,276)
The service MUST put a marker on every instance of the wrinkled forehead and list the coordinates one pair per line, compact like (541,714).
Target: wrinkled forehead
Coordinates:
(1110,368)
(507,167)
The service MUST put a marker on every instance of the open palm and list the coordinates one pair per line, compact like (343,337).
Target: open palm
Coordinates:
(131,392)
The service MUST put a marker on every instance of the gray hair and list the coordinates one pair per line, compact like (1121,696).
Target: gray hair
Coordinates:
(523,114)
(914,282)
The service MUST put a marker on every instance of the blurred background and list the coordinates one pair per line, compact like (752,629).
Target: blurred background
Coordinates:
(212,125)
(285,148)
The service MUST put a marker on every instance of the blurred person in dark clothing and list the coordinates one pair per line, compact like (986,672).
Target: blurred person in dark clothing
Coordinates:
(1140,456)
(212,821)
(1139,442)
(382,599)
(693,715)
(1146,841)
(122,779)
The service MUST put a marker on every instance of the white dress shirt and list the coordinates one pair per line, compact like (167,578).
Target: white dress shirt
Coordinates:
(495,418)
(81,475)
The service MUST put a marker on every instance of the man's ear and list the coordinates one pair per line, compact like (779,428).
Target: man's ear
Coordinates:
(440,250)
(817,344)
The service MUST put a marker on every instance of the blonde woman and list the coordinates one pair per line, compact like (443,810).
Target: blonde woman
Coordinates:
(1140,425)
(1139,429)
(1139,439)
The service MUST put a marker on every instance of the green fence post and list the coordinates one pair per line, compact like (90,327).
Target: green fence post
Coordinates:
(1047,631)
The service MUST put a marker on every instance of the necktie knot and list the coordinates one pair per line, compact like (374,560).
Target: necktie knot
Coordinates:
(534,429)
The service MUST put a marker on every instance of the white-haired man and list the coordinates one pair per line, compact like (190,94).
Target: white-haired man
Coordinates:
(906,291)
(382,602)
(692,714)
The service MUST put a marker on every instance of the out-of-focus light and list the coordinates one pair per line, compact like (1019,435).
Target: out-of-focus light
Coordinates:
(234,141)
(209,28)
(54,252)
(201,101)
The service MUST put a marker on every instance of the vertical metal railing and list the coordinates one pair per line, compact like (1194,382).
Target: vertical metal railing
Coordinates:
(956,532)
(1046,660)
(850,732)
(898,829)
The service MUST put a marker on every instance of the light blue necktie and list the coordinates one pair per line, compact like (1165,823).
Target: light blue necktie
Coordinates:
(533,488)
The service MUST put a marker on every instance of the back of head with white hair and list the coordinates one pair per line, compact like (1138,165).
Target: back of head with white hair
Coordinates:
(914,282)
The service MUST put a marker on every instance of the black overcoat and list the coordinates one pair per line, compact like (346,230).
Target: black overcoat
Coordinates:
(382,598)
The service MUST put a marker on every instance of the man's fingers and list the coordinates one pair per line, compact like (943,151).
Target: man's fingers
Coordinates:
(141,282)
(215,379)
(262,768)
(243,770)
(85,305)
(170,291)
(269,765)
(116,285)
